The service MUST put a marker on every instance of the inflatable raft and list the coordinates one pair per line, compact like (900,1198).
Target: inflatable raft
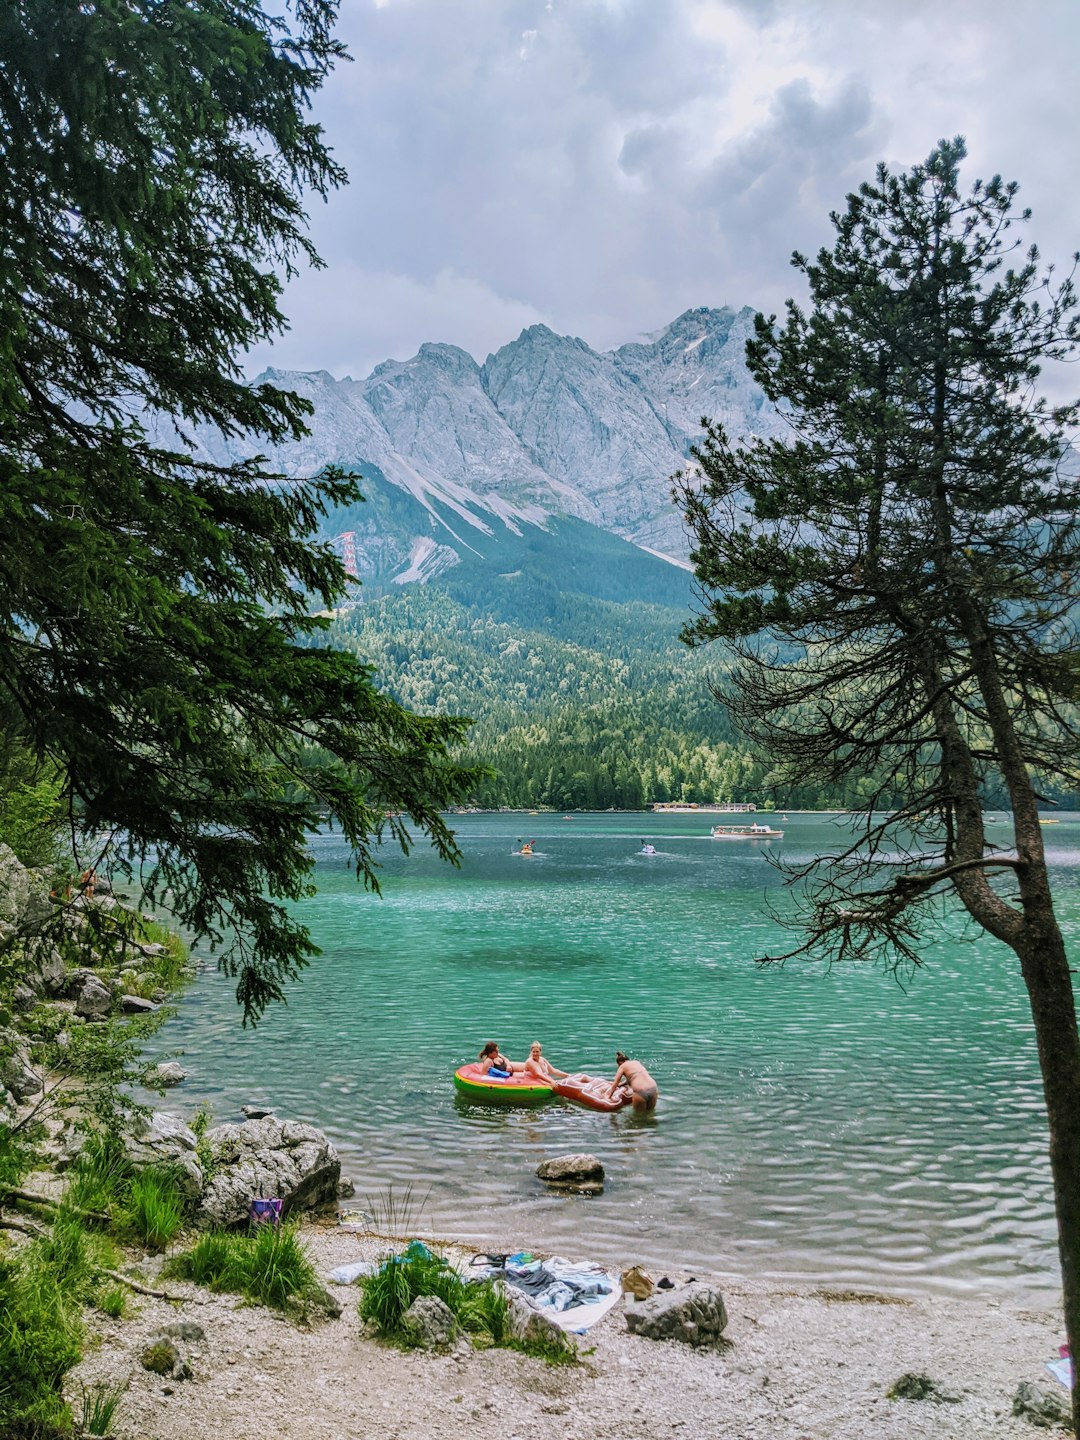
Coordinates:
(591,1092)
(474,1083)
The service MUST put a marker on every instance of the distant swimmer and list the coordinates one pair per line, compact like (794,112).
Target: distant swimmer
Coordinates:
(642,1087)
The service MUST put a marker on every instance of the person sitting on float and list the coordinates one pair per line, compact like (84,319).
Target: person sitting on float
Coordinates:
(540,1068)
(499,1067)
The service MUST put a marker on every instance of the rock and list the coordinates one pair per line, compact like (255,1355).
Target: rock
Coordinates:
(532,1326)
(53,973)
(95,1000)
(583,1173)
(167,1140)
(1040,1407)
(136,1005)
(267,1157)
(18,1078)
(429,1323)
(23,998)
(179,1330)
(170,1072)
(695,1314)
(345,1189)
(154,948)
(25,904)
(638,1283)
(163,1356)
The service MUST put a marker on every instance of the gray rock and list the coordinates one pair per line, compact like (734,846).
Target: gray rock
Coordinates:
(694,1314)
(23,998)
(293,1162)
(25,903)
(95,1000)
(136,1005)
(525,1323)
(170,1072)
(18,1078)
(914,1385)
(1041,1407)
(162,1355)
(53,973)
(429,1323)
(154,948)
(167,1140)
(582,1173)
(180,1330)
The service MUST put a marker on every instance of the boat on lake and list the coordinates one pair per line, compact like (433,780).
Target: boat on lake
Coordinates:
(646,848)
(754,831)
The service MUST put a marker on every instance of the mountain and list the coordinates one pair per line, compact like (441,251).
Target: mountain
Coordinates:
(547,429)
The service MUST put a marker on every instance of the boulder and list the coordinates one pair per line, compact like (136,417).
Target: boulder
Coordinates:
(429,1323)
(583,1173)
(95,1000)
(23,997)
(694,1314)
(52,972)
(525,1323)
(1041,1407)
(268,1157)
(16,1075)
(25,905)
(170,1072)
(167,1140)
(136,1005)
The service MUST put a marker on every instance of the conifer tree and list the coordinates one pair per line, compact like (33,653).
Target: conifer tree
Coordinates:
(898,582)
(157,639)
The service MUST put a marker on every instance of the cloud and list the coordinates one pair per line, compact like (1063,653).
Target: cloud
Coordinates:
(346,320)
(604,164)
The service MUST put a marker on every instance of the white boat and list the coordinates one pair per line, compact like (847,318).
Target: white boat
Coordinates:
(746,832)
(646,848)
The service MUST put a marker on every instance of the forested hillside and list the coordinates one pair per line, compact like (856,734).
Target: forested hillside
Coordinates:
(598,704)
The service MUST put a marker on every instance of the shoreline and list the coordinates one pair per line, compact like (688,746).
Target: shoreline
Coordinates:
(799,1364)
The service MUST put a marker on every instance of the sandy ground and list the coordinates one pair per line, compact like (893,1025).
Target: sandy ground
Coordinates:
(801,1366)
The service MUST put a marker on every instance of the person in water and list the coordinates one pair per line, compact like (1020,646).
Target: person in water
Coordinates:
(633,1075)
(539,1067)
(493,1057)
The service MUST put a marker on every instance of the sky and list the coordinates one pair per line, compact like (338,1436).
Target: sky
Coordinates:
(600,166)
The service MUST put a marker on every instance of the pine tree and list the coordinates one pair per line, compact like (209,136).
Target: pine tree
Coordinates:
(157,643)
(898,581)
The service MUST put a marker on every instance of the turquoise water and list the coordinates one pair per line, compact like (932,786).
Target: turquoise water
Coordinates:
(811,1125)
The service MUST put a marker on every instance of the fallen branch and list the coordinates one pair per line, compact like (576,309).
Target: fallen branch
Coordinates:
(146,1290)
(30,1197)
(34,1230)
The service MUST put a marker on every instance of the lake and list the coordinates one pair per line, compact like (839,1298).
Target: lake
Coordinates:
(832,1127)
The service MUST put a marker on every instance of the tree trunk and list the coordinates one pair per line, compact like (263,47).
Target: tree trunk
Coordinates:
(1048,979)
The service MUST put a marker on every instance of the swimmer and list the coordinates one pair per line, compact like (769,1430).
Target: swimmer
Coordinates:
(642,1087)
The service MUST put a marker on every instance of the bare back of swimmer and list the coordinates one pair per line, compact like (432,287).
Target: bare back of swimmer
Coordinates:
(643,1088)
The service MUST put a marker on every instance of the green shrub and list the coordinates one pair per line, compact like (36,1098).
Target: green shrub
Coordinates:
(101,1176)
(40,1340)
(269,1266)
(155,1206)
(114,1302)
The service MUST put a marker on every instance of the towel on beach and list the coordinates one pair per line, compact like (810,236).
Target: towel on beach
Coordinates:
(575,1295)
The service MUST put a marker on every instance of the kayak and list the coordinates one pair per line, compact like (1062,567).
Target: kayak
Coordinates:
(591,1092)
(474,1083)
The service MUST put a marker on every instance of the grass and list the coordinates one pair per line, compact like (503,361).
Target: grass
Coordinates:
(394,1213)
(269,1266)
(155,1207)
(99,1406)
(481,1308)
(147,1205)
